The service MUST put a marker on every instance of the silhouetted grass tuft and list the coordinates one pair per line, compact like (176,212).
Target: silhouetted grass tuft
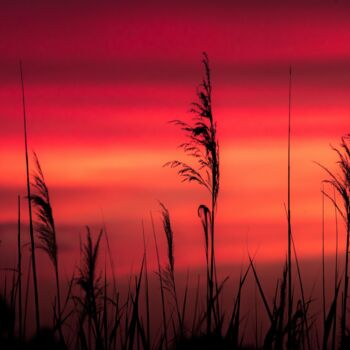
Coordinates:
(341,183)
(90,284)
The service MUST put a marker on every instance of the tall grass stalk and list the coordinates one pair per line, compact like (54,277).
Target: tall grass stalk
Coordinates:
(169,272)
(105,308)
(148,321)
(19,269)
(305,304)
(165,330)
(194,321)
(323,265)
(335,268)
(111,261)
(202,145)
(289,269)
(46,229)
(26,297)
(31,228)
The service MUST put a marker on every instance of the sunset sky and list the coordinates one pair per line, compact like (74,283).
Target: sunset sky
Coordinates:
(103,79)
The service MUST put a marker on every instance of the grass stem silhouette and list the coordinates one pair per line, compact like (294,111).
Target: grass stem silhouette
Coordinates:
(27,297)
(19,269)
(46,229)
(148,321)
(289,269)
(323,266)
(31,228)
(165,330)
(168,273)
(335,268)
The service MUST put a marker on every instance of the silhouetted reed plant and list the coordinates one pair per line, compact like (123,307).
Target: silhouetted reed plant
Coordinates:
(45,228)
(202,145)
(168,273)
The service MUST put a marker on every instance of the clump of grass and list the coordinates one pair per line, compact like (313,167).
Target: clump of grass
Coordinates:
(274,338)
(341,183)
(135,328)
(90,284)
(202,145)
(232,334)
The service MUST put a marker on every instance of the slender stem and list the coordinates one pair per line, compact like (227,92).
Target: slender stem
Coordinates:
(346,285)
(59,316)
(323,267)
(31,229)
(148,322)
(256,318)
(26,298)
(19,271)
(211,274)
(111,262)
(195,307)
(161,286)
(105,315)
(214,178)
(172,276)
(336,269)
(289,217)
(305,308)
(323,271)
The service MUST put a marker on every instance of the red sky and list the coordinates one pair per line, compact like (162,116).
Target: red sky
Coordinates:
(101,82)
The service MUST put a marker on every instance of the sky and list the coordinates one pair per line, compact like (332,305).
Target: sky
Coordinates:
(102,80)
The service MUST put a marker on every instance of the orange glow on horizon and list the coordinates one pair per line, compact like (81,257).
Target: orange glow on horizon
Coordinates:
(100,93)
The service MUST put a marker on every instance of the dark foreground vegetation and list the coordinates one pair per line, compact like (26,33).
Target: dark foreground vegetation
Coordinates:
(90,313)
